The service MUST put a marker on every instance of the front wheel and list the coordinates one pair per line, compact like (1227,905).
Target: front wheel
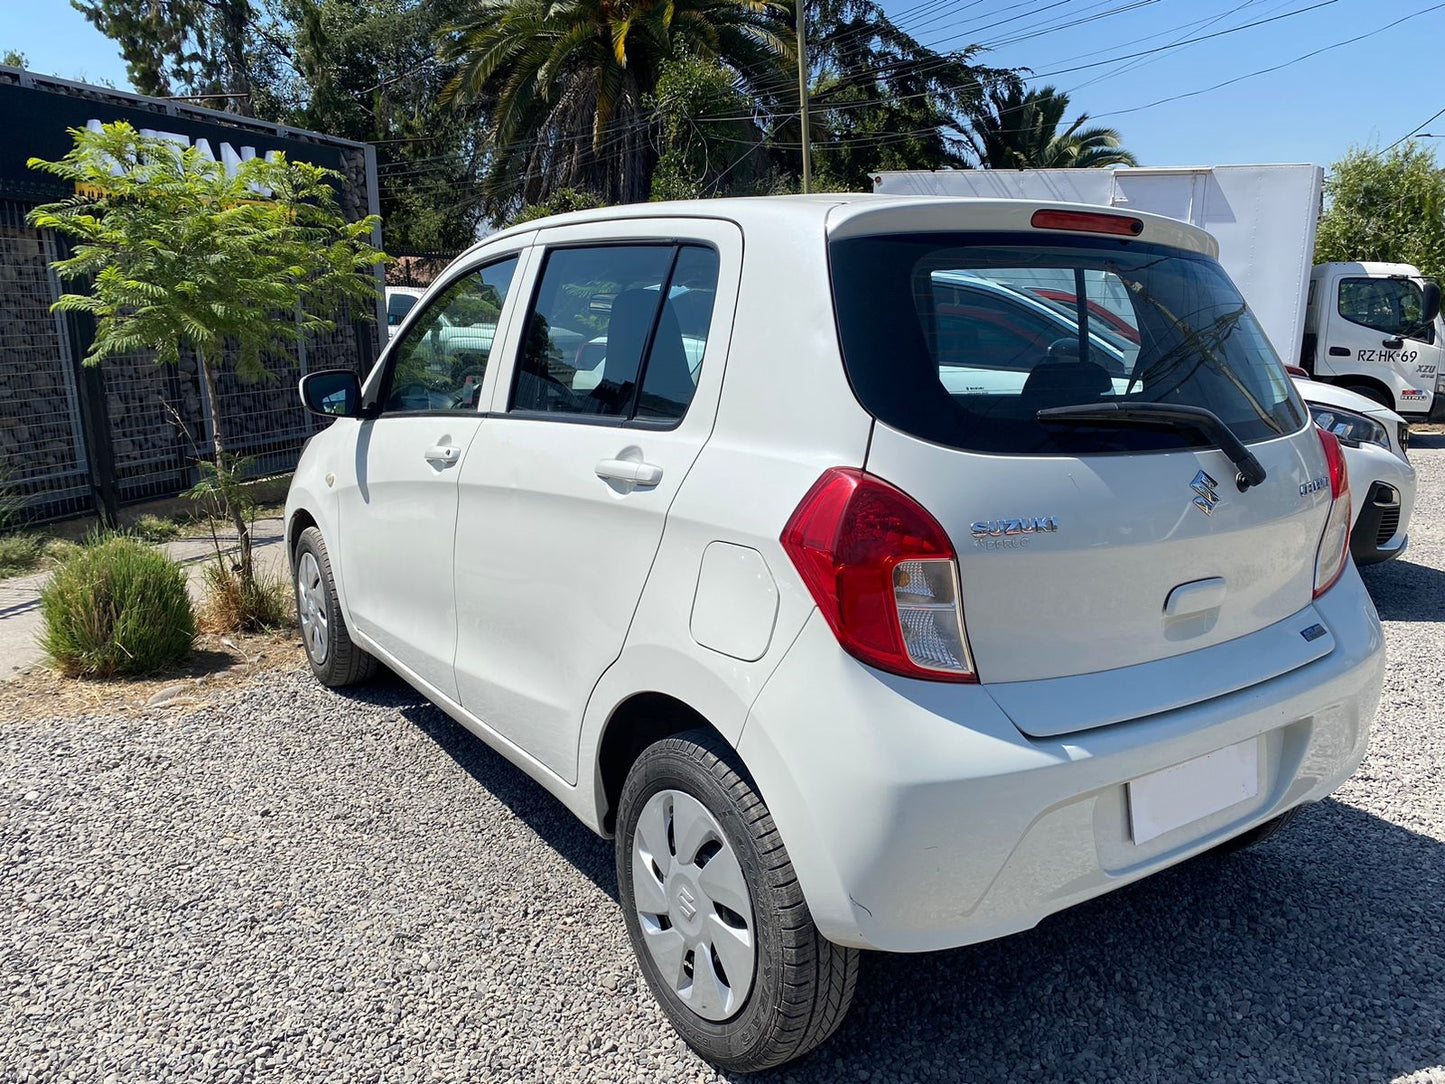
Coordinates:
(715,912)
(334,658)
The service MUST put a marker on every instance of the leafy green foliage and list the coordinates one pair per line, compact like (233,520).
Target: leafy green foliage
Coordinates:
(882,100)
(569,81)
(14,59)
(179,253)
(716,157)
(20,553)
(1018,129)
(559,203)
(181,46)
(151,528)
(367,70)
(1388,207)
(117,607)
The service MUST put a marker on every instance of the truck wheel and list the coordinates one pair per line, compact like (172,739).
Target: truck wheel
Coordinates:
(334,659)
(1371,391)
(715,913)
(1260,832)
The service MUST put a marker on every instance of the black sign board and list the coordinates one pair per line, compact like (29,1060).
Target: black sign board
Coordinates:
(36,124)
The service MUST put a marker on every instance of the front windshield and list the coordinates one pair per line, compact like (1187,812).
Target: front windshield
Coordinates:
(963,344)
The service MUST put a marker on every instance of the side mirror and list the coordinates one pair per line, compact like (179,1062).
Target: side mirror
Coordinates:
(1432,302)
(331,393)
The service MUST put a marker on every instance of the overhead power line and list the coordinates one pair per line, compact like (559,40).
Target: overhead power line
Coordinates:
(1416,130)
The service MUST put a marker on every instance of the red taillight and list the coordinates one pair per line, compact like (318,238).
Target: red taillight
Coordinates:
(882,572)
(1087,222)
(1334,547)
(1295,370)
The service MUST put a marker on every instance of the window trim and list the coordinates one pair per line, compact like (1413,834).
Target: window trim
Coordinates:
(613,421)
(374,409)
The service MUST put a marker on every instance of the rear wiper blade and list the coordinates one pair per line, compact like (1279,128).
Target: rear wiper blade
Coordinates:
(1173,415)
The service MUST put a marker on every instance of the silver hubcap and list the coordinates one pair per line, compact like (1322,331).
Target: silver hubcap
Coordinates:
(311,607)
(693,905)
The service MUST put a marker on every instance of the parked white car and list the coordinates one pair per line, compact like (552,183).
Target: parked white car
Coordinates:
(1382,481)
(841,656)
(400,300)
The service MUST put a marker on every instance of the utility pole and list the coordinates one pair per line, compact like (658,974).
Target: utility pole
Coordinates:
(803,95)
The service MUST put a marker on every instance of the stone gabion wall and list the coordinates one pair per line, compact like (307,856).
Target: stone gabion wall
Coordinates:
(41,452)
(158,419)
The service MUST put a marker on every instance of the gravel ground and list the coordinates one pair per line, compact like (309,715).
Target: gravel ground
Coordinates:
(298,885)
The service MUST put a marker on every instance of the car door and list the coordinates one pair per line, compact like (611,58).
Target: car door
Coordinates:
(566,489)
(397,490)
(1377,324)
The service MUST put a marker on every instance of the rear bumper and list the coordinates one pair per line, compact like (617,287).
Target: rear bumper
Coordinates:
(918,817)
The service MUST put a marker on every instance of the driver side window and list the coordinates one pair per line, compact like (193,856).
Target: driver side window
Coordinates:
(438,365)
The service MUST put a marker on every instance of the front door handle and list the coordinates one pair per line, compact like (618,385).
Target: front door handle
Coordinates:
(1393,344)
(443,454)
(629,470)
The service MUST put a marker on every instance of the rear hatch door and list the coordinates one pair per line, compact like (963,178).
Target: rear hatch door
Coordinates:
(1085,548)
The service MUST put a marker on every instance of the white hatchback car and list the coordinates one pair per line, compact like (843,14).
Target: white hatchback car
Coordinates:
(843,655)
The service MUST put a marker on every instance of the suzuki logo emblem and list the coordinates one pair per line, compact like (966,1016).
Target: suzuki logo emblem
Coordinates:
(1206,497)
(686,904)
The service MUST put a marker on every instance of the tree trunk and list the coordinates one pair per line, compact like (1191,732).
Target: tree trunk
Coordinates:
(225,481)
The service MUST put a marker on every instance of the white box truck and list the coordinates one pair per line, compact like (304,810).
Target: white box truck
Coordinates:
(1371,327)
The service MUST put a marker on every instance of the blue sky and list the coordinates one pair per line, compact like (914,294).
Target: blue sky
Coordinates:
(1371,91)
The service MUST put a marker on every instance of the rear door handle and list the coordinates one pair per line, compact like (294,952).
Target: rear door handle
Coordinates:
(1393,344)
(444,454)
(629,470)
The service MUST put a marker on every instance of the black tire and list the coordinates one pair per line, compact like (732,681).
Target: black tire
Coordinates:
(1372,392)
(802,983)
(1260,832)
(342,662)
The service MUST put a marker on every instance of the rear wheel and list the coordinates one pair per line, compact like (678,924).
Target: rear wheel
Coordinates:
(334,659)
(715,913)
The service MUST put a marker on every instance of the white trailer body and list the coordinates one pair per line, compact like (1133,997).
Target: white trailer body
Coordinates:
(1264,218)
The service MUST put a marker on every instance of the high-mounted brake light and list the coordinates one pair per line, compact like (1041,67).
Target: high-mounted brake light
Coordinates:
(882,572)
(1334,548)
(1087,222)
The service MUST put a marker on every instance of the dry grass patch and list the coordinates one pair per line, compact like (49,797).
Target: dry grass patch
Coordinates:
(216,665)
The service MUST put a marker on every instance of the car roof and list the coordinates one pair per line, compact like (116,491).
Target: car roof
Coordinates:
(855,213)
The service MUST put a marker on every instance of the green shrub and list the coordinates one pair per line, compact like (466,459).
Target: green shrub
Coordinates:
(149,528)
(117,606)
(20,553)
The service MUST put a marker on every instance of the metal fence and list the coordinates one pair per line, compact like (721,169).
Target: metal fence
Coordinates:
(75,439)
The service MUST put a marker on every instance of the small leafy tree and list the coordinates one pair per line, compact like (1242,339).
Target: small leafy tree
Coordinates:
(180,253)
(1388,207)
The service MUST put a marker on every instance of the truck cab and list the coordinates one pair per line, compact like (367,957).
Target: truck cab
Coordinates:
(1375,328)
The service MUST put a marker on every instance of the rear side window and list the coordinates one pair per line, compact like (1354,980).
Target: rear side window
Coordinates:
(618,331)
(963,344)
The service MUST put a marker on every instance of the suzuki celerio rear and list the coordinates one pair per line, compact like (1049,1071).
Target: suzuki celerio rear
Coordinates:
(895,573)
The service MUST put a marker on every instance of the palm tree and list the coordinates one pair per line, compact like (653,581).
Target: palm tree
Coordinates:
(1018,129)
(570,78)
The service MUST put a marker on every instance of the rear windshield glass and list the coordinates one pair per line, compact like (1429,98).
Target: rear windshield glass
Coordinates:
(962,341)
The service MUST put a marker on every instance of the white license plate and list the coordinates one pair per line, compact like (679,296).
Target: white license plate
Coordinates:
(1165,800)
